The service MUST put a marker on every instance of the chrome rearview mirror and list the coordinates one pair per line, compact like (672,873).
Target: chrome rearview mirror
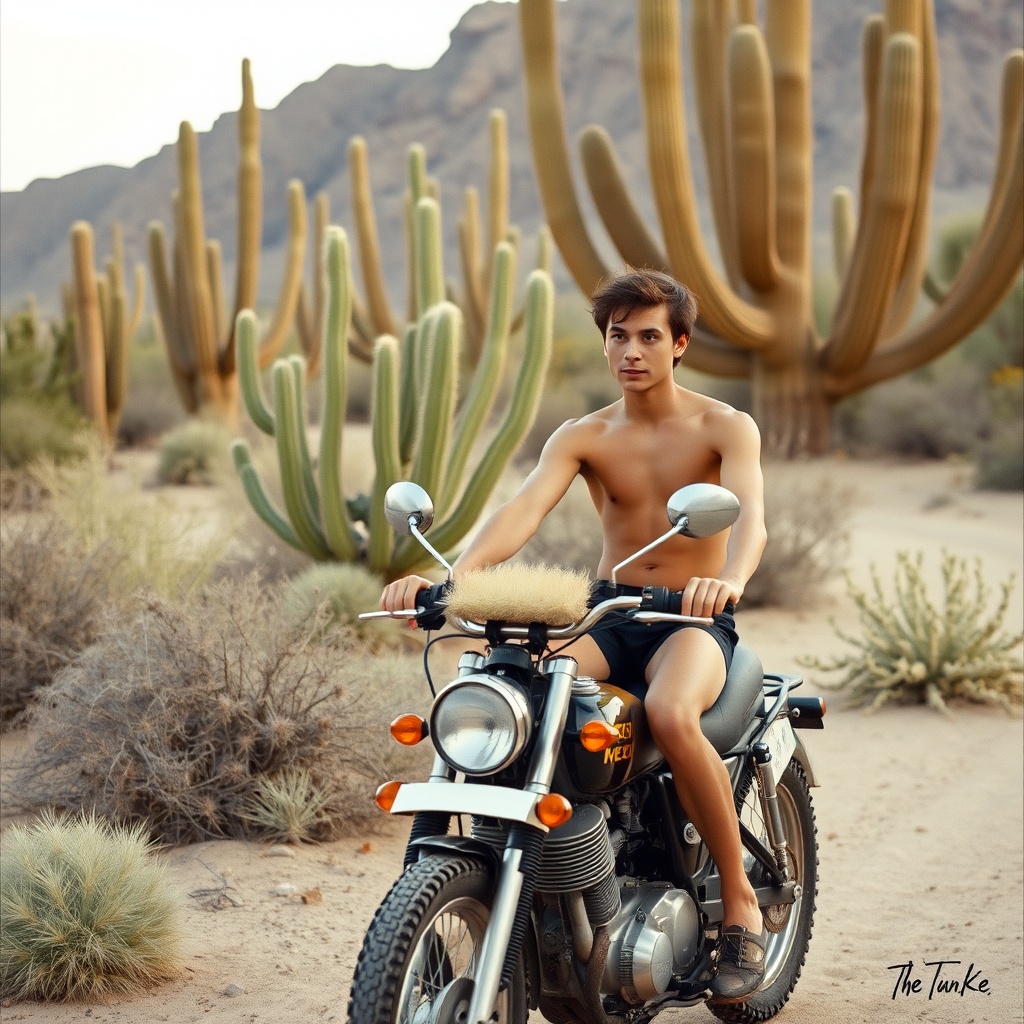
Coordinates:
(702,510)
(405,501)
(410,511)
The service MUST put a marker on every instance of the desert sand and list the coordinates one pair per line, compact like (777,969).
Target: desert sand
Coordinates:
(920,823)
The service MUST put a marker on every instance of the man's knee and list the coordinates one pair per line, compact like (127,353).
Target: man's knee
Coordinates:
(676,728)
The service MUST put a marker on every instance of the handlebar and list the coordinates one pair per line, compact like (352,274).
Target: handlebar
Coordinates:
(629,605)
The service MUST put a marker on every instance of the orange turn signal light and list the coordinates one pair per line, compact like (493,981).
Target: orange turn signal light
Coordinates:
(409,729)
(554,810)
(598,736)
(386,795)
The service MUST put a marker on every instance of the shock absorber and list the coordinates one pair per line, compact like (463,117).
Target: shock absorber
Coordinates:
(769,800)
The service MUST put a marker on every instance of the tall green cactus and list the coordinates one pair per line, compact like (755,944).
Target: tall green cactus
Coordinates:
(198,331)
(317,518)
(753,102)
(103,327)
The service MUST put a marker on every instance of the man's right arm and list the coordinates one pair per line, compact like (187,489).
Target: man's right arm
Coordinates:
(513,523)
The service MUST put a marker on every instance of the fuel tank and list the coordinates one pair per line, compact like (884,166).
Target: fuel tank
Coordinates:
(591,773)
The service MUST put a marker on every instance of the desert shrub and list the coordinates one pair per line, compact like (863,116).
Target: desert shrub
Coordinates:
(182,716)
(333,594)
(197,452)
(34,427)
(86,911)
(292,808)
(52,602)
(165,549)
(920,651)
(807,539)
(999,459)
(20,491)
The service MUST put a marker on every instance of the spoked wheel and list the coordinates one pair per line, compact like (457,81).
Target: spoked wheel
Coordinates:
(787,946)
(420,952)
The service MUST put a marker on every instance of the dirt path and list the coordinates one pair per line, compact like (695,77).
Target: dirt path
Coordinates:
(920,818)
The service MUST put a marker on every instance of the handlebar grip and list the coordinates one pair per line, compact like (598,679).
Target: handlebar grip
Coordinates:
(432,602)
(661,599)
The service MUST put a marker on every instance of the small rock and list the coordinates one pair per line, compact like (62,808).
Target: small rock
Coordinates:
(312,896)
(285,890)
(233,990)
(280,851)
(366,848)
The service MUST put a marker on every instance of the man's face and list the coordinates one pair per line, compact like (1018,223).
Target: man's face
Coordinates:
(640,348)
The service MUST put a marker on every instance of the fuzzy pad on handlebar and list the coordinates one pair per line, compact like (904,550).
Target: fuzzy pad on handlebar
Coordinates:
(521,594)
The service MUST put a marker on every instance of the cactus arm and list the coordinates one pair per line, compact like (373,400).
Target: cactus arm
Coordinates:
(473,284)
(287,300)
(498,187)
(1011,102)
(844,230)
(419,183)
(366,233)
(485,383)
(664,120)
(88,327)
(117,360)
(915,260)
(384,417)
(788,39)
(103,297)
(438,406)
(430,288)
(607,185)
(361,335)
(290,458)
(878,252)
(410,246)
(250,201)
(337,525)
(298,368)
(214,270)
(752,135)
(709,30)
(249,374)
(546,116)
(984,279)
(139,302)
(872,48)
(408,398)
(193,283)
(257,495)
(314,342)
(517,420)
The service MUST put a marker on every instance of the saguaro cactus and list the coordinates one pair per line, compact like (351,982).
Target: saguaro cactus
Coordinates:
(417,430)
(753,101)
(190,295)
(103,326)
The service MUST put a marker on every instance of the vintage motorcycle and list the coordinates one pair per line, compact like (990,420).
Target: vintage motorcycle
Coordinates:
(581,889)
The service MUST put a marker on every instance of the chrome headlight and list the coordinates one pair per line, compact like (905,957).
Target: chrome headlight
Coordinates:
(480,724)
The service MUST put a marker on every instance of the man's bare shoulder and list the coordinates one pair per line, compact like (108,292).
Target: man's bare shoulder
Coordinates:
(585,429)
(726,425)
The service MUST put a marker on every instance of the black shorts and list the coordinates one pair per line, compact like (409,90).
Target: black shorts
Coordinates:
(628,646)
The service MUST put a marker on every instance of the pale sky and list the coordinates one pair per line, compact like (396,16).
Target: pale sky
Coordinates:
(87,82)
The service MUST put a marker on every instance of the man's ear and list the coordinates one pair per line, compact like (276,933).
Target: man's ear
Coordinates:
(680,344)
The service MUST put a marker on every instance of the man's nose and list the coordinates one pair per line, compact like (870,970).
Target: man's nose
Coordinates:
(633,351)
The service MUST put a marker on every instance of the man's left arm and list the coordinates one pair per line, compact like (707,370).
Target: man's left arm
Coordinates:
(736,437)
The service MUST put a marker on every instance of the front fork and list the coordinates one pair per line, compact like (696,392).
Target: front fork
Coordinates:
(513,894)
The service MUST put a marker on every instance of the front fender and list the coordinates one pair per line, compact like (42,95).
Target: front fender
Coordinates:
(464,845)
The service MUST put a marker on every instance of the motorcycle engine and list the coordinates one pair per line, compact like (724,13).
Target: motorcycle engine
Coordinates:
(655,934)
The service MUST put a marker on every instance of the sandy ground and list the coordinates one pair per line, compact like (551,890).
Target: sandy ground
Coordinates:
(920,819)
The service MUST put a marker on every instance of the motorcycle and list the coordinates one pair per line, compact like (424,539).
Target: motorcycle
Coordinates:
(582,889)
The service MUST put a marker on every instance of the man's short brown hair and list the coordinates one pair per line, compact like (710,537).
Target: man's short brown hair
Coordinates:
(621,294)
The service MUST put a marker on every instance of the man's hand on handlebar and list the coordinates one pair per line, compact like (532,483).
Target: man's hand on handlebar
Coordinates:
(707,596)
(402,593)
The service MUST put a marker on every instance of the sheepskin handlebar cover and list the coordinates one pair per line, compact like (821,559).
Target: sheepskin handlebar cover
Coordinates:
(521,594)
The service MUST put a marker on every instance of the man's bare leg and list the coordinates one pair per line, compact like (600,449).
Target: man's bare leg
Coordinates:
(686,676)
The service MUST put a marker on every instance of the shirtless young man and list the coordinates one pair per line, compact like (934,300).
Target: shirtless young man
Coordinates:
(633,455)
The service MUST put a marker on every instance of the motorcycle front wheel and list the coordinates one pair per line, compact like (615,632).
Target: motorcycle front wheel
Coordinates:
(787,948)
(424,938)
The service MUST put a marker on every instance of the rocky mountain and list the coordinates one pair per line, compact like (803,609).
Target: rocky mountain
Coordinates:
(446,109)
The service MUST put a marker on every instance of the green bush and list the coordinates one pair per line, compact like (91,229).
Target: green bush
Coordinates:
(916,650)
(292,808)
(85,910)
(36,427)
(197,452)
(182,717)
(333,594)
(151,403)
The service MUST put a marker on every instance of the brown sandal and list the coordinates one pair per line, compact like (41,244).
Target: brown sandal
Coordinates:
(740,955)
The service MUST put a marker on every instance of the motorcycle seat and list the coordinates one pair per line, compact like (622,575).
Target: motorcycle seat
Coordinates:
(725,721)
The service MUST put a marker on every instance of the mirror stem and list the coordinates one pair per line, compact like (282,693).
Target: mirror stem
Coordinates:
(414,522)
(678,528)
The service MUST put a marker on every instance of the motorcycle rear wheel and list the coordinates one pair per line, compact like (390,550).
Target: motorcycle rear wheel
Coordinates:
(787,949)
(424,937)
